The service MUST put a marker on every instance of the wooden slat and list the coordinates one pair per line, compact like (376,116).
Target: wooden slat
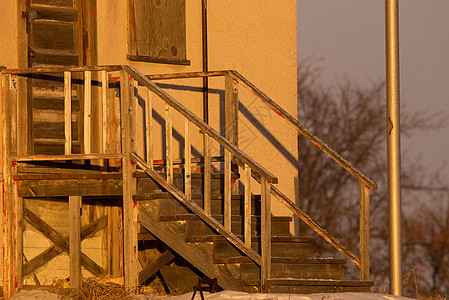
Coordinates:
(364,231)
(231,110)
(17,235)
(149,127)
(188,162)
(247,205)
(155,266)
(68,112)
(105,119)
(50,69)
(207,175)
(186,75)
(212,222)
(6,103)
(75,241)
(265,235)
(169,143)
(87,112)
(227,190)
(66,157)
(208,130)
(129,209)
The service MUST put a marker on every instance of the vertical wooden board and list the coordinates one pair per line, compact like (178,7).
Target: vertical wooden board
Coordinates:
(247,205)
(17,234)
(188,162)
(227,189)
(169,143)
(160,28)
(129,186)
(231,110)
(87,111)
(265,234)
(207,175)
(104,112)
(149,127)
(75,241)
(364,231)
(68,112)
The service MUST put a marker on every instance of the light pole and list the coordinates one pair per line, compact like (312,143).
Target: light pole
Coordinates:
(393,145)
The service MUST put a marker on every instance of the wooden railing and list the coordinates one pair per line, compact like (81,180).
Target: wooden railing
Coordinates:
(17,127)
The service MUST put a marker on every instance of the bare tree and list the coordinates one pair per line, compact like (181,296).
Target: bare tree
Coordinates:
(351,119)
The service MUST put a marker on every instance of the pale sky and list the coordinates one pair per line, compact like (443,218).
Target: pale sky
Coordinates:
(348,35)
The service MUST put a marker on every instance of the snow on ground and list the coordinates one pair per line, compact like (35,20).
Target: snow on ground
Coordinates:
(226,295)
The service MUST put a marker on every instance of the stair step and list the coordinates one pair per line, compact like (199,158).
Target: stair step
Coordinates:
(169,205)
(300,247)
(197,230)
(297,268)
(311,286)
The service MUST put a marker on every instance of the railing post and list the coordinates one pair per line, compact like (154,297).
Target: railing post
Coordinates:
(364,231)
(169,143)
(207,193)
(129,186)
(227,190)
(87,111)
(68,112)
(187,162)
(247,206)
(265,234)
(149,127)
(231,109)
(104,110)
(75,241)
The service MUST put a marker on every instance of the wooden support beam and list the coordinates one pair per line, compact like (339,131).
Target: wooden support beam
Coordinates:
(227,190)
(169,143)
(68,112)
(129,186)
(87,112)
(155,266)
(231,109)
(188,162)
(364,231)
(60,241)
(207,175)
(104,111)
(247,205)
(75,240)
(265,235)
(149,127)
(53,251)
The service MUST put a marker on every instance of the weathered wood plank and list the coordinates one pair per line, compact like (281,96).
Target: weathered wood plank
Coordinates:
(364,231)
(207,174)
(70,187)
(169,143)
(155,266)
(68,112)
(188,162)
(75,241)
(31,158)
(129,186)
(105,119)
(231,110)
(227,190)
(67,176)
(265,271)
(247,205)
(87,112)
(43,36)
(149,127)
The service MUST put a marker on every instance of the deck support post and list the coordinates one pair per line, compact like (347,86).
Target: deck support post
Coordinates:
(129,185)
(75,240)
(265,235)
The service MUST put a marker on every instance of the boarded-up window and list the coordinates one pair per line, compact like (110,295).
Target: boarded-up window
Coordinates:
(158,31)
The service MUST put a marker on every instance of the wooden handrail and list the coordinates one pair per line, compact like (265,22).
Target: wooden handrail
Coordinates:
(305,132)
(109,68)
(200,124)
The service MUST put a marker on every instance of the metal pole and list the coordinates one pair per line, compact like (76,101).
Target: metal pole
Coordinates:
(393,144)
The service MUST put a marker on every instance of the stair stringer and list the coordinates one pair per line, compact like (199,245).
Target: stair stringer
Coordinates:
(200,255)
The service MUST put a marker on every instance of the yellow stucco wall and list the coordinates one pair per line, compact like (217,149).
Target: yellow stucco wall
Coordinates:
(8,34)
(255,37)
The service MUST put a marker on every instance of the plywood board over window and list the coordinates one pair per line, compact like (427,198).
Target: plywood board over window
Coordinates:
(157,31)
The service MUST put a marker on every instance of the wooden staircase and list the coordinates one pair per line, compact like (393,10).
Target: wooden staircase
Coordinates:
(189,222)
(297,266)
